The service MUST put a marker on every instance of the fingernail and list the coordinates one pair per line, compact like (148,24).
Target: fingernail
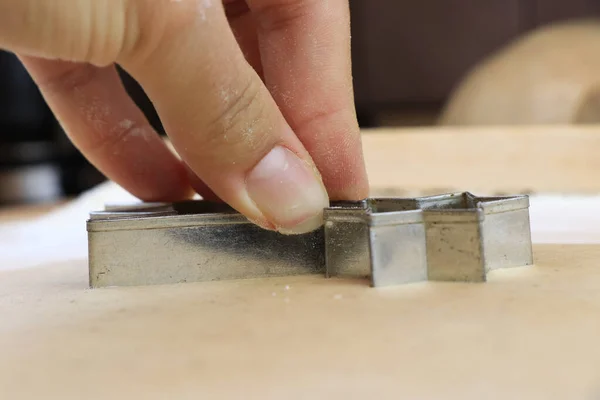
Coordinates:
(288,192)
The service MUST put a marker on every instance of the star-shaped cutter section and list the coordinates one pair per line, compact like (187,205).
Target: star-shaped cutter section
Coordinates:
(450,237)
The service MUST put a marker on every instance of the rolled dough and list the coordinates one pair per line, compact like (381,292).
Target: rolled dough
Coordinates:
(528,333)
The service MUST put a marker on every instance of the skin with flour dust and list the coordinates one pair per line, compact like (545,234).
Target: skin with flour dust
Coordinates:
(255,95)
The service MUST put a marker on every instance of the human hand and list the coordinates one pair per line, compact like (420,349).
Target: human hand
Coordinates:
(255,96)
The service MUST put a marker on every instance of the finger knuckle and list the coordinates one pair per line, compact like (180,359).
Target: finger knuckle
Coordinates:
(104,32)
(143,34)
(239,121)
(151,31)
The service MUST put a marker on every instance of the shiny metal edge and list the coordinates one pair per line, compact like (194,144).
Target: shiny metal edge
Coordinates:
(501,205)
(395,218)
(488,204)
(443,196)
(112,215)
(135,207)
(164,221)
(343,215)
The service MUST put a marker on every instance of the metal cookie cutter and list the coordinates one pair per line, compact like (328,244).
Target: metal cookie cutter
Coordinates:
(192,241)
(451,237)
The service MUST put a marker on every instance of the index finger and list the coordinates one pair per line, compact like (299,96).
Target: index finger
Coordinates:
(305,51)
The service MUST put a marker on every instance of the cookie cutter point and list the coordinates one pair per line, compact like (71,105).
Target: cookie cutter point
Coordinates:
(448,237)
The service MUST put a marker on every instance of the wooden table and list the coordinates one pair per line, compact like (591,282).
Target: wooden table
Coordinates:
(528,333)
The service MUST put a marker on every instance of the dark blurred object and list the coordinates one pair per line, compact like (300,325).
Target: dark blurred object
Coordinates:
(29,169)
(38,163)
(408,55)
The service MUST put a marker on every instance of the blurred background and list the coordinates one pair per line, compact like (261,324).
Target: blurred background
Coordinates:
(408,59)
